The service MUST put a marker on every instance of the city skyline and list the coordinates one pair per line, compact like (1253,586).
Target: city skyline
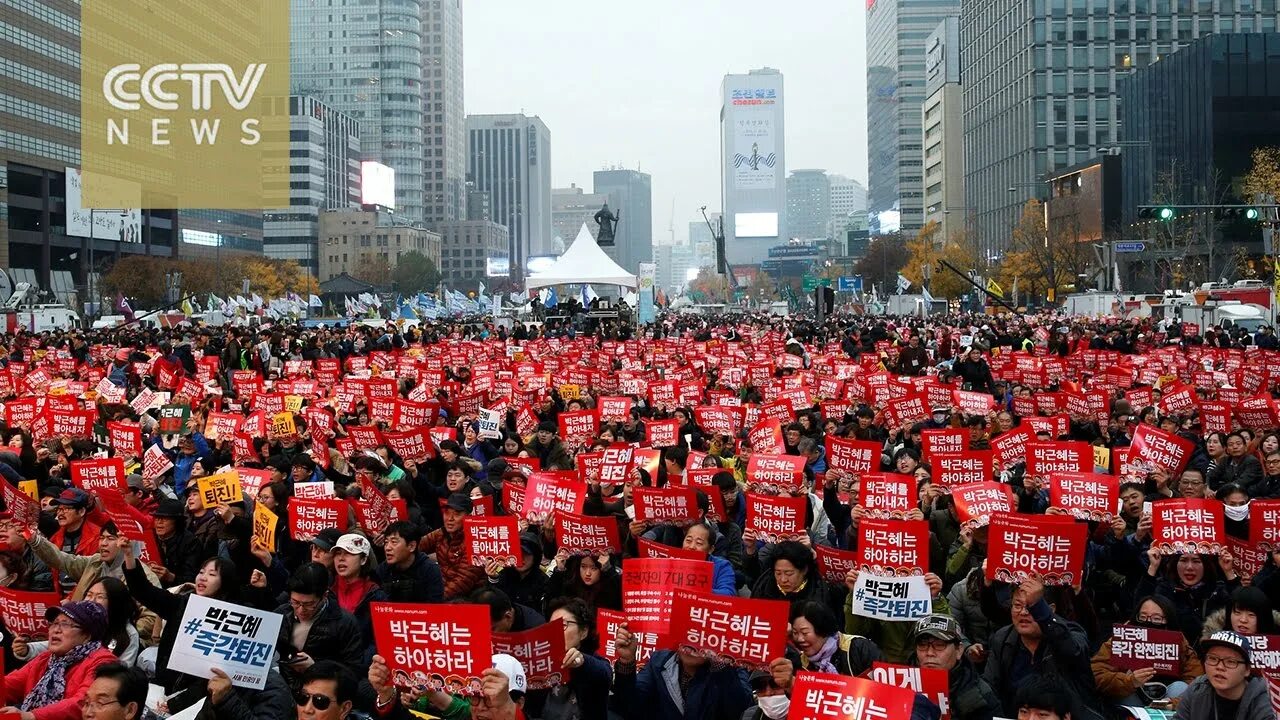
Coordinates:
(571,77)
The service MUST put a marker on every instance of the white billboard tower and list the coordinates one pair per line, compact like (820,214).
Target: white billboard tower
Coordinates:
(753,165)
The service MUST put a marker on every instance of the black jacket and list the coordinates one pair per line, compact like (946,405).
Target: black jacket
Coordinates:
(1245,472)
(182,554)
(1063,654)
(421,583)
(335,635)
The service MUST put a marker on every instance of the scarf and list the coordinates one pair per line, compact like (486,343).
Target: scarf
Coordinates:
(52,685)
(822,661)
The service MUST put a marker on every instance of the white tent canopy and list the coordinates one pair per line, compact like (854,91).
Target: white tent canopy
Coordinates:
(583,263)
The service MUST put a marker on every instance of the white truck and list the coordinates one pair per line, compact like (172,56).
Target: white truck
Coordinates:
(21,312)
(914,305)
(1230,314)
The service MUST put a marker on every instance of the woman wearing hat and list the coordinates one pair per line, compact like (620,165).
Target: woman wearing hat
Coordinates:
(53,684)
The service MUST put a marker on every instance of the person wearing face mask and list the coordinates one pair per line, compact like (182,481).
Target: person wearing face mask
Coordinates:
(1196,584)
(1249,612)
(1122,686)
(772,690)
(1235,510)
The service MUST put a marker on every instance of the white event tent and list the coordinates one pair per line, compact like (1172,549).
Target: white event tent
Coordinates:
(584,263)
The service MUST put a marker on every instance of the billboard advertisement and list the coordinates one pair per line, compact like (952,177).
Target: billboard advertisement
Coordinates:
(755,159)
(377,184)
(497,267)
(755,224)
(124,225)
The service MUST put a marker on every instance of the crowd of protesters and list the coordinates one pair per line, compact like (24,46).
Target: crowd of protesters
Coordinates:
(1007,649)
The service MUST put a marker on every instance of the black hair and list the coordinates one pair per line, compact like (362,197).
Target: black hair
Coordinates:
(678,454)
(498,601)
(228,578)
(1167,608)
(121,609)
(133,684)
(1044,692)
(583,615)
(724,481)
(344,682)
(794,553)
(408,531)
(824,621)
(309,579)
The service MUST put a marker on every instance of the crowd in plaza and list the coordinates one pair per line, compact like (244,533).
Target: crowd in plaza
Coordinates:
(447,422)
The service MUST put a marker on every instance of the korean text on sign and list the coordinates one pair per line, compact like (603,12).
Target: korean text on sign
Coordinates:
(451,642)
(238,640)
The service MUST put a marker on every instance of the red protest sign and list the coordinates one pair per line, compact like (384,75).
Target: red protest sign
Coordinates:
(933,683)
(666,505)
(904,411)
(775,473)
(450,642)
(94,476)
(1264,653)
(614,463)
(963,468)
(614,409)
(852,456)
(491,538)
(887,495)
(25,510)
(545,493)
(977,502)
(1187,525)
(1085,495)
(307,517)
(1011,447)
(608,622)
(893,547)
(1137,648)
(579,427)
(1058,456)
(945,441)
(126,438)
(1264,524)
(973,403)
(657,550)
(766,437)
(822,696)
(1215,416)
(587,535)
(540,652)
(775,518)
(649,585)
(727,629)
(719,419)
(662,433)
(834,565)
(1152,447)
(1049,546)
(23,611)
(414,445)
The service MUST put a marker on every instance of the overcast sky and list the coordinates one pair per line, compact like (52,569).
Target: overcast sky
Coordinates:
(637,82)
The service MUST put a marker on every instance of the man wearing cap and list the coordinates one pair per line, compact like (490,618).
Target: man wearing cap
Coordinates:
(181,552)
(53,684)
(939,644)
(449,546)
(76,534)
(1228,690)
(322,546)
(137,494)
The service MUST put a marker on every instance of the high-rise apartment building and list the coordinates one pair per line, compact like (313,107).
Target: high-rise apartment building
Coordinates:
(509,157)
(848,196)
(753,164)
(808,204)
(364,58)
(943,129)
(444,139)
(630,191)
(896,35)
(1040,82)
(324,174)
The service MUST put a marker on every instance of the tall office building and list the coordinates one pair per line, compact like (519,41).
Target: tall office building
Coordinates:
(509,157)
(808,204)
(444,140)
(753,165)
(896,35)
(364,58)
(1040,86)
(703,242)
(943,131)
(848,196)
(630,191)
(324,174)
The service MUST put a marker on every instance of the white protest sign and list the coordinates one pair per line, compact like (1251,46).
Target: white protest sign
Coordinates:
(235,639)
(891,598)
(490,423)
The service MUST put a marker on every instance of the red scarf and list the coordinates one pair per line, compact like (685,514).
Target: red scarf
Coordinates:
(351,592)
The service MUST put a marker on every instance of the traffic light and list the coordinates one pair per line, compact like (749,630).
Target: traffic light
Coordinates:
(1164,213)
(1236,212)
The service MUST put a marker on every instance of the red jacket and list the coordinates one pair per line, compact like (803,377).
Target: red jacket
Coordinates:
(90,534)
(79,677)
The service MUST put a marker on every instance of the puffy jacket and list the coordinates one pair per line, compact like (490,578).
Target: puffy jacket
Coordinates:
(90,535)
(1217,620)
(18,683)
(1197,702)
(335,635)
(1193,604)
(420,583)
(966,607)
(1116,684)
(460,577)
(970,696)
(712,694)
(1063,653)
(1245,471)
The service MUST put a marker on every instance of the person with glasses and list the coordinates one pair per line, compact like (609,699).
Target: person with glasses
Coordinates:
(1228,690)
(118,692)
(1122,686)
(939,644)
(586,694)
(53,684)
(315,626)
(1191,484)
(1196,584)
(76,534)
(1270,485)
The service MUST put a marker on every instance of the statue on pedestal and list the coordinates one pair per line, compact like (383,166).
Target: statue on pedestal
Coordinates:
(607,222)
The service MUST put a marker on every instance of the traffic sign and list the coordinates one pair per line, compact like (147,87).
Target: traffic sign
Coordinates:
(850,283)
(809,283)
(1129,247)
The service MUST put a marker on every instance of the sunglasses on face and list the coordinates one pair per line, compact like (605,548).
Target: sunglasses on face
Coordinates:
(319,702)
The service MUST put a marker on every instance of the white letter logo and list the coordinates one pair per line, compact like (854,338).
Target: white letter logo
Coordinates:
(126,87)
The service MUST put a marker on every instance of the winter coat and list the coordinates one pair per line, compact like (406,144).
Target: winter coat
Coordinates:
(18,683)
(1193,604)
(335,635)
(270,703)
(1197,702)
(853,656)
(460,576)
(1245,471)
(1217,620)
(1063,653)
(966,608)
(970,696)
(1116,684)
(422,582)
(647,693)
